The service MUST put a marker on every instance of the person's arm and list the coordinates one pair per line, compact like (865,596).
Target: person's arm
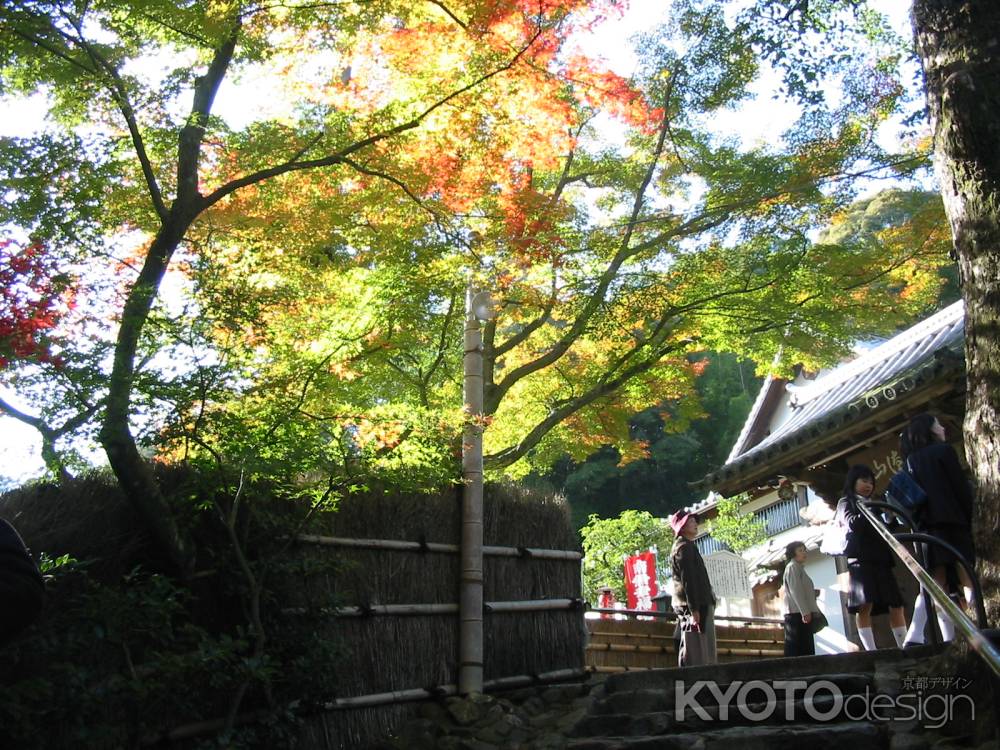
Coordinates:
(850,514)
(689,579)
(958,481)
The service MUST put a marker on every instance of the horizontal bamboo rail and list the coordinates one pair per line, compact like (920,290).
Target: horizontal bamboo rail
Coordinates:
(189,731)
(638,649)
(630,647)
(402,696)
(655,614)
(616,670)
(660,637)
(536,605)
(404,546)
(396,696)
(395,610)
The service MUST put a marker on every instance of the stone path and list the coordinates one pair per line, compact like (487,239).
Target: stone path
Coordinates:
(529,719)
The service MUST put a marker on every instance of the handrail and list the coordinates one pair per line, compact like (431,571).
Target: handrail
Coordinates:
(895,510)
(979,643)
(977,589)
(921,552)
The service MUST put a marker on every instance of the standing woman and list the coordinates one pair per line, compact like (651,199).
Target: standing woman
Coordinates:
(947,514)
(869,563)
(694,599)
(800,603)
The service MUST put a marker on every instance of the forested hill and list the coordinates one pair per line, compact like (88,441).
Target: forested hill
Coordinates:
(681,450)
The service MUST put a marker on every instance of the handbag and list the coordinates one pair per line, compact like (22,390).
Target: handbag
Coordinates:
(904,490)
(693,648)
(817,622)
(835,537)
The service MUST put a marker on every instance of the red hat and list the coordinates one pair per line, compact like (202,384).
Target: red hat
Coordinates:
(678,519)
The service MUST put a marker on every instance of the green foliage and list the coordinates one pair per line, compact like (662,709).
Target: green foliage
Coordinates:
(738,531)
(314,328)
(606,543)
(681,447)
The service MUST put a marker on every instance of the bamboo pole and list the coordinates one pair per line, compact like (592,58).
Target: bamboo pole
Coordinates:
(393,544)
(404,546)
(502,683)
(542,554)
(534,605)
(631,648)
(396,696)
(470,625)
(393,610)
(617,670)
(197,728)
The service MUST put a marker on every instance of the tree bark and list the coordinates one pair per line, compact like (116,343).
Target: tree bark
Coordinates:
(134,474)
(959,45)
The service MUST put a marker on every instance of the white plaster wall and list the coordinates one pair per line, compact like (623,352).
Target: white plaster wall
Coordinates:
(822,569)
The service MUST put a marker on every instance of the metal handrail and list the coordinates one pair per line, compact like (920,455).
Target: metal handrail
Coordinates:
(979,643)
(921,551)
(977,589)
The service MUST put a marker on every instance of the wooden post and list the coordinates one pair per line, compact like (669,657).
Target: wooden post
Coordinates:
(470,667)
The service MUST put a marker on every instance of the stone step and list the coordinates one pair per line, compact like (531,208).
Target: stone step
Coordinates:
(822,708)
(861,662)
(851,736)
(647,700)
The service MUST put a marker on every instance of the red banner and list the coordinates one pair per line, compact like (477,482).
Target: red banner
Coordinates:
(640,581)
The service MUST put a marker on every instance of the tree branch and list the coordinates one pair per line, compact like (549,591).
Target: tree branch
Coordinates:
(395,181)
(340,157)
(448,12)
(119,93)
(508,456)
(190,139)
(596,298)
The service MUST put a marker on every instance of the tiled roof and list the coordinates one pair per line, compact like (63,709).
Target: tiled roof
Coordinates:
(873,377)
(774,555)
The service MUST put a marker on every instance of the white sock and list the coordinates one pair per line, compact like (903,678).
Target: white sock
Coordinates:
(915,634)
(899,633)
(970,597)
(867,638)
(947,627)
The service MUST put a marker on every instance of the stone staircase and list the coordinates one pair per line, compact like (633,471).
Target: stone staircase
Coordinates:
(839,702)
(725,707)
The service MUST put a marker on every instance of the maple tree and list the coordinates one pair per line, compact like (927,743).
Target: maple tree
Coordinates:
(319,252)
(29,304)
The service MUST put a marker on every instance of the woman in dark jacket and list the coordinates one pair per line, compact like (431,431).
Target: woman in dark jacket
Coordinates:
(869,562)
(693,599)
(947,514)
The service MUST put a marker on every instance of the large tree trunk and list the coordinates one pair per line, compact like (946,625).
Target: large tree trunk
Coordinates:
(959,45)
(133,472)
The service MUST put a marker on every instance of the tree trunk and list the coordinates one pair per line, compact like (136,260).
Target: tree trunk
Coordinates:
(959,45)
(133,472)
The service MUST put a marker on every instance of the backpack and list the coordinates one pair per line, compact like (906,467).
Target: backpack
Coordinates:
(835,535)
(904,490)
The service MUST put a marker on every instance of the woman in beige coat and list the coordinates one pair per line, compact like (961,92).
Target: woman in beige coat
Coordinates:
(800,603)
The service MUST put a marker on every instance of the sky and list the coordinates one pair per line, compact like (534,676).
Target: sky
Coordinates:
(756,122)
